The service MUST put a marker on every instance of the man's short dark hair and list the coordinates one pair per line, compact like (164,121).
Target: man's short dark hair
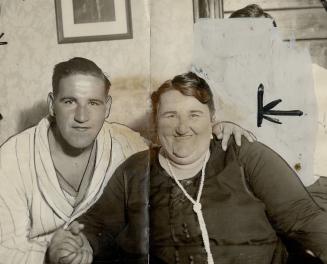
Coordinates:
(252,11)
(77,65)
(188,84)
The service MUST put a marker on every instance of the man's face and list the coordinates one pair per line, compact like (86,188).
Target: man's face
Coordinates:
(80,108)
(184,127)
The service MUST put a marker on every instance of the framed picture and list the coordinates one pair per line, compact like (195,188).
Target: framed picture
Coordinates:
(93,20)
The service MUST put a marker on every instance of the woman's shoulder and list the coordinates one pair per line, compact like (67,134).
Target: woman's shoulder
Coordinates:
(248,150)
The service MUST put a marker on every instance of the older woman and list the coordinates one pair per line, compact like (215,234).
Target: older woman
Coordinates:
(204,205)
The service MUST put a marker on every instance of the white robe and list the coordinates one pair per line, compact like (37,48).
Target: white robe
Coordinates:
(32,204)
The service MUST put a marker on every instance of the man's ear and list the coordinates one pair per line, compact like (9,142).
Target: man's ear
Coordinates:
(213,119)
(50,101)
(108,105)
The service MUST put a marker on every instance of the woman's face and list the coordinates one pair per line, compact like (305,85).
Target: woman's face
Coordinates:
(184,127)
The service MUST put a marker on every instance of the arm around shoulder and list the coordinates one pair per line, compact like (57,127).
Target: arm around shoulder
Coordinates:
(130,140)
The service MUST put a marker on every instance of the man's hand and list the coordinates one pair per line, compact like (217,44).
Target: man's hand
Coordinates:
(70,247)
(224,130)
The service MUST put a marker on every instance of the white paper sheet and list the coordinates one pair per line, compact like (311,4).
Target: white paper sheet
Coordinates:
(239,54)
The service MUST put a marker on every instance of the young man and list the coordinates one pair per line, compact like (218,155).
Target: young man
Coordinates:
(53,172)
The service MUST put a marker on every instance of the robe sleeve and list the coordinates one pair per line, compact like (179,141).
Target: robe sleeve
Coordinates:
(15,218)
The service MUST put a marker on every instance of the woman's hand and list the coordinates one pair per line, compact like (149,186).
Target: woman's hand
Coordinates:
(70,246)
(224,130)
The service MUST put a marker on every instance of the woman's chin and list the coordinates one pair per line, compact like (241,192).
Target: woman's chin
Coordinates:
(182,158)
(182,154)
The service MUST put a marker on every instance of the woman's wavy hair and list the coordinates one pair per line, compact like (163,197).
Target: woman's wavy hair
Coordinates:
(188,84)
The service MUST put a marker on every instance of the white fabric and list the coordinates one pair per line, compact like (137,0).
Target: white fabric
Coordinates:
(32,204)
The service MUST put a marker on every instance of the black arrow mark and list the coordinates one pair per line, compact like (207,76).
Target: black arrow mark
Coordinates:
(263,111)
(3,42)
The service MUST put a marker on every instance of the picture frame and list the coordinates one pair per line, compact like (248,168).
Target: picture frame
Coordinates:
(93,20)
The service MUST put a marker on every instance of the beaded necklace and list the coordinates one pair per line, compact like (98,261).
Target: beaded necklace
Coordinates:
(197,207)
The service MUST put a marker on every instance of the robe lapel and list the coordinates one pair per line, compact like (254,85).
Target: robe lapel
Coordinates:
(46,175)
(99,179)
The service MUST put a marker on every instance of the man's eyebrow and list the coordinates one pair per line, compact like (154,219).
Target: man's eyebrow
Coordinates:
(168,112)
(96,100)
(197,111)
(66,98)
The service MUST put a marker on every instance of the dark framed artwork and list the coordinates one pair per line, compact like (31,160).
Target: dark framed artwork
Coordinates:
(93,20)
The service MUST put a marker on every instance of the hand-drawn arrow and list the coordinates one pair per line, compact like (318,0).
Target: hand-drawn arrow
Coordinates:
(263,111)
(3,42)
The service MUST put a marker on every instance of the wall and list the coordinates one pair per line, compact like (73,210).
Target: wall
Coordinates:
(27,61)
(171,39)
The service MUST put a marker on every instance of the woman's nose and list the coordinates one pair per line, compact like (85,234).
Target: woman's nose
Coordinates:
(182,126)
(81,114)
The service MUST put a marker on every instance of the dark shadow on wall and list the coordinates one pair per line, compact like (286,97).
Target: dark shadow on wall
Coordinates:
(145,126)
(32,116)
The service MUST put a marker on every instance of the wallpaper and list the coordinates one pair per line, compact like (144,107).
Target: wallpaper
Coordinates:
(27,62)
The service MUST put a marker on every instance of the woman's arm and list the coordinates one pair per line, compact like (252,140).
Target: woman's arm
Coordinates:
(116,226)
(289,206)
